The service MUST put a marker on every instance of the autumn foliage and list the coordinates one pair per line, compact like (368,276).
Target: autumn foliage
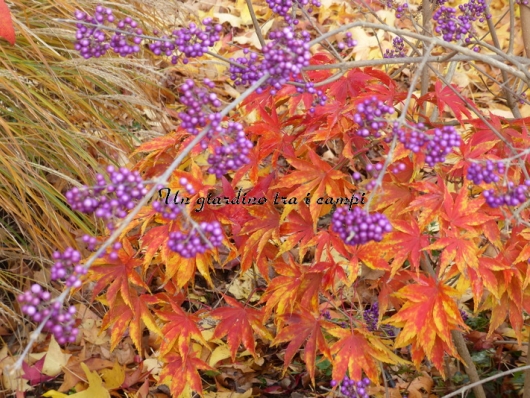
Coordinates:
(301,267)
(306,290)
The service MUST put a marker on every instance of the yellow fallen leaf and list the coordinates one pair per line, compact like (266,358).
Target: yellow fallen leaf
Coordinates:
(220,353)
(95,387)
(114,377)
(55,359)
(55,394)
(244,12)
(231,394)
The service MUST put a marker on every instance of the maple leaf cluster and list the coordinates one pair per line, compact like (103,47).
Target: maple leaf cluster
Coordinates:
(299,260)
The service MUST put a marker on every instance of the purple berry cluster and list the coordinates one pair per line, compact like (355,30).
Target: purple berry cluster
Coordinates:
(351,388)
(464,315)
(186,43)
(37,304)
(454,28)
(283,8)
(412,137)
(485,173)
(371,317)
(198,101)
(514,196)
(370,117)
(398,50)
(127,42)
(400,8)
(358,227)
(251,71)
(92,41)
(441,144)
(169,211)
(67,267)
(109,199)
(318,95)
(233,155)
(437,146)
(348,42)
(284,56)
(190,244)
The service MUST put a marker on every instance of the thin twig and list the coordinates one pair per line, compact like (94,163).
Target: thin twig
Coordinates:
(506,91)
(521,72)
(412,60)
(331,48)
(426,11)
(387,394)
(256,24)
(512,28)
(480,382)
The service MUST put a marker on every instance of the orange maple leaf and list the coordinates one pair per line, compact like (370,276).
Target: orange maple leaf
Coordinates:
(407,241)
(357,351)
(461,249)
(120,315)
(180,328)
(296,284)
(429,203)
(428,316)
(264,227)
(181,372)
(115,275)
(314,176)
(459,211)
(304,327)
(238,323)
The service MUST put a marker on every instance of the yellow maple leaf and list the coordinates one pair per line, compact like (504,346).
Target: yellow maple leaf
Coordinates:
(95,387)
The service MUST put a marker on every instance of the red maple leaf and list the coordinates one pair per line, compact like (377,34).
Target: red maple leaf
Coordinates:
(7,31)
(304,327)
(407,241)
(298,230)
(273,137)
(238,323)
(429,203)
(180,328)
